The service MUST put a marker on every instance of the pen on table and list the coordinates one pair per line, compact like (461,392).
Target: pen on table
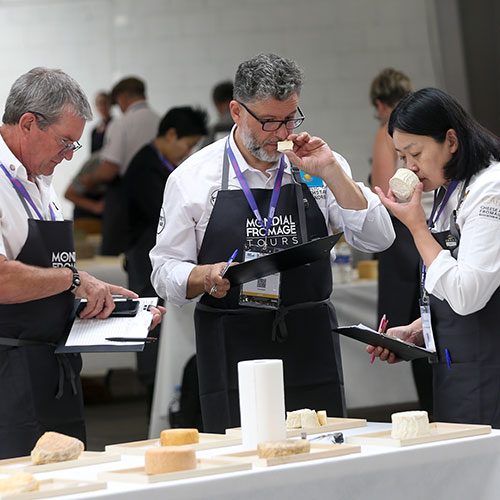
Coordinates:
(381,329)
(131,339)
(226,267)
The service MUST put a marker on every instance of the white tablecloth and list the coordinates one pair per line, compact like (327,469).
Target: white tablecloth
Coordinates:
(466,468)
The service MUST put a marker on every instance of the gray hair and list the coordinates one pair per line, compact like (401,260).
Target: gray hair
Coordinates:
(47,92)
(267,76)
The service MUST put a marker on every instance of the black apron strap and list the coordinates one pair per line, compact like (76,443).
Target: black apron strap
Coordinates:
(302,203)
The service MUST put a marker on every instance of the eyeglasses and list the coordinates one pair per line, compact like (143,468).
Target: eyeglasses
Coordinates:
(67,146)
(273,125)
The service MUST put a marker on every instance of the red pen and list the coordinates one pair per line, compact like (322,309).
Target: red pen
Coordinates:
(381,329)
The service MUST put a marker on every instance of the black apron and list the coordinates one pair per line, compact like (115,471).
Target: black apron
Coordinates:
(469,391)
(39,391)
(300,333)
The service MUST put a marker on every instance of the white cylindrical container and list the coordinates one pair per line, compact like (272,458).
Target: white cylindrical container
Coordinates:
(262,401)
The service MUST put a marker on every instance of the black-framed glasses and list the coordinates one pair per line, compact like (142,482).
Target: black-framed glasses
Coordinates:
(67,146)
(273,125)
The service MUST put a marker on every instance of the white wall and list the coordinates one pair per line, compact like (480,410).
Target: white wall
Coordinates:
(182,47)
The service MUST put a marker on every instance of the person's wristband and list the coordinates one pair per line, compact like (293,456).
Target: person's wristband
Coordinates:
(76,279)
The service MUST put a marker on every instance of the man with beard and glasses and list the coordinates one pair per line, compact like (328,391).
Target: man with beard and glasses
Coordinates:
(219,200)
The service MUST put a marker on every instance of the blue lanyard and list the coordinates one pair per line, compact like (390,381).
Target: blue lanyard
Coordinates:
(432,221)
(18,186)
(165,162)
(249,195)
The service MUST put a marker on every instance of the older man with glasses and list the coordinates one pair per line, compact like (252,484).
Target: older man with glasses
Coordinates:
(45,114)
(221,199)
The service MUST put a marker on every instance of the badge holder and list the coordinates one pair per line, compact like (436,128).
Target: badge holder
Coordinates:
(262,292)
(425,314)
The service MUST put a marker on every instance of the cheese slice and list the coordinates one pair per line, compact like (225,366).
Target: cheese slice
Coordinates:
(272,449)
(20,482)
(284,146)
(322,417)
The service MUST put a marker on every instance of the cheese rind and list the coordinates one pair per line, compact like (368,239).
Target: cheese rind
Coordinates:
(284,146)
(403,183)
(55,447)
(169,459)
(410,424)
(178,437)
(272,449)
(302,418)
(19,482)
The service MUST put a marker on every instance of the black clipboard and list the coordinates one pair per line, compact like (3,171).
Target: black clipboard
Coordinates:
(403,350)
(282,260)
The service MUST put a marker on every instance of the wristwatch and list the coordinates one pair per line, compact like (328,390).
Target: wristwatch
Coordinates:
(76,279)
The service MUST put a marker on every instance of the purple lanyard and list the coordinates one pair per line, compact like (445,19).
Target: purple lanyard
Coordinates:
(19,187)
(248,193)
(162,158)
(432,221)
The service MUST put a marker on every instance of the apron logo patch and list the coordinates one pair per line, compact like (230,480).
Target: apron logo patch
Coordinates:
(282,233)
(161,221)
(213,197)
(451,242)
(63,259)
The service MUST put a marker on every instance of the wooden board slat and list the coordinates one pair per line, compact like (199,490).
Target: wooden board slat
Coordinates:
(333,424)
(440,431)
(207,442)
(205,467)
(24,464)
(50,488)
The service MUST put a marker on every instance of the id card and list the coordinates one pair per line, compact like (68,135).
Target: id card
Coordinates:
(425,314)
(262,292)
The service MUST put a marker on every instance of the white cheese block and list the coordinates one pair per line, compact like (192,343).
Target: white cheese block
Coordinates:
(302,418)
(410,424)
(284,146)
(293,420)
(322,417)
(403,183)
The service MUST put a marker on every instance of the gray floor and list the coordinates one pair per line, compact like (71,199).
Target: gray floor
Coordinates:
(116,410)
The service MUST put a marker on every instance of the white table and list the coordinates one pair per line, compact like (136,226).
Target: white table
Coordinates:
(464,468)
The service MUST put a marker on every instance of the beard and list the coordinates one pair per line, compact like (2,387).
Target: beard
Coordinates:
(254,148)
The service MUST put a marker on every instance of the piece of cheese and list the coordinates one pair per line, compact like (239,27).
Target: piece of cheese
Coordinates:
(169,459)
(55,447)
(403,183)
(322,417)
(284,146)
(177,437)
(410,424)
(20,482)
(272,449)
(302,418)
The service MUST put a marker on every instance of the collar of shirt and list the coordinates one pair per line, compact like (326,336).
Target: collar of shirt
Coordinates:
(244,166)
(136,105)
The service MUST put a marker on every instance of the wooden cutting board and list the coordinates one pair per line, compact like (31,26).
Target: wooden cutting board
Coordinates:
(50,488)
(207,442)
(317,451)
(205,467)
(440,431)
(24,464)
(333,424)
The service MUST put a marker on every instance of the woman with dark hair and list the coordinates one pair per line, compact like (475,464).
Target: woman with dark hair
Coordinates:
(459,160)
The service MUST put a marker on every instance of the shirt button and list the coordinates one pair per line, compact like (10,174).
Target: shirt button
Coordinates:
(12,167)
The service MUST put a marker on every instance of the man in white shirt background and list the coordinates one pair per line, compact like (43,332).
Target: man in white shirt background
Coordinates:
(218,200)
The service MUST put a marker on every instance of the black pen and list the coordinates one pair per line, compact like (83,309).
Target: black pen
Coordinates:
(131,339)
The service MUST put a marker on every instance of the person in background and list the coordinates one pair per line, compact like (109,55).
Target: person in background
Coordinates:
(103,104)
(207,205)
(459,160)
(89,203)
(124,137)
(399,265)
(222,95)
(45,113)
(144,182)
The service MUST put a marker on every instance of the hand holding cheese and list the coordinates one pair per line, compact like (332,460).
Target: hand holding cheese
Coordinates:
(403,183)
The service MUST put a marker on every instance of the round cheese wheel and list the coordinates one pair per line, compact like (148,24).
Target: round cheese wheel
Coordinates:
(403,183)
(272,449)
(410,424)
(169,459)
(177,437)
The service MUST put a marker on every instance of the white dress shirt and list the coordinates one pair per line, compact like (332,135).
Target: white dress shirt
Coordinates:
(188,202)
(126,135)
(468,282)
(13,218)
